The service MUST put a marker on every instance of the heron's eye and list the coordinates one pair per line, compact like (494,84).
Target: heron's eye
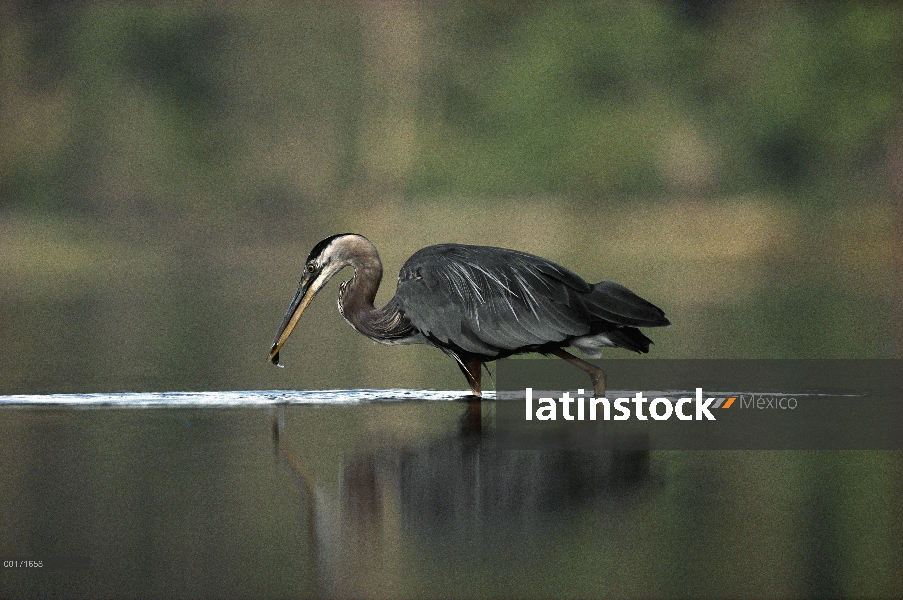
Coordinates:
(311,268)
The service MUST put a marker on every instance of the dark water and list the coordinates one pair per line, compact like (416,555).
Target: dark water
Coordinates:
(408,494)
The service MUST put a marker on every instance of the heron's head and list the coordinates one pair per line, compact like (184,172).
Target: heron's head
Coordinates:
(325,260)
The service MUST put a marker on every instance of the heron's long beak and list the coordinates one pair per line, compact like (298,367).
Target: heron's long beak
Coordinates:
(307,289)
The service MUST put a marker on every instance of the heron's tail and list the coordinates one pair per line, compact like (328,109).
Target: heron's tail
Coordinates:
(629,338)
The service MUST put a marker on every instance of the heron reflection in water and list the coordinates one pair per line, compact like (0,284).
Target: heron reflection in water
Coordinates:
(477,304)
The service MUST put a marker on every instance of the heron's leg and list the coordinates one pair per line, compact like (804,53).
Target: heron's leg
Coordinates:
(596,374)
(471,369)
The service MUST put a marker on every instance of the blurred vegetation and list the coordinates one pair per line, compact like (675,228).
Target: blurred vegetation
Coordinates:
(646,98)
(164,169)
(127,107)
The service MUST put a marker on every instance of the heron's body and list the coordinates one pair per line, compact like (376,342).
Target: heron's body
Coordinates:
(477,304)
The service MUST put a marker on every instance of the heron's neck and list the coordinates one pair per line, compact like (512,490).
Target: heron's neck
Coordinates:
(387,324)
(357,295)
(360,291)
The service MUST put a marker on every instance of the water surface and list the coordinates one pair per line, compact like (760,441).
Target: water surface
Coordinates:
(403,493)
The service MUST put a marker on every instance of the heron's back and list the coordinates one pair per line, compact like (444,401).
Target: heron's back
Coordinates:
(493,302)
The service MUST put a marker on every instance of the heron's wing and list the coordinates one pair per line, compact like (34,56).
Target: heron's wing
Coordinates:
(613,302)
(487,300)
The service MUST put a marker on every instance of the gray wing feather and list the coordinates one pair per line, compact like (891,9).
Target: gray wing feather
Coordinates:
(614,302)
(486,300)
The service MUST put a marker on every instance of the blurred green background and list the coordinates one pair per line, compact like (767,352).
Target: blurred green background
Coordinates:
(165,169)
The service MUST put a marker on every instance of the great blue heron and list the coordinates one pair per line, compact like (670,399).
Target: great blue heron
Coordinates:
(476,304)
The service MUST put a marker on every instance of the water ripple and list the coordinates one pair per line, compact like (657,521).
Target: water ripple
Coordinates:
(223,399)
(331,397)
